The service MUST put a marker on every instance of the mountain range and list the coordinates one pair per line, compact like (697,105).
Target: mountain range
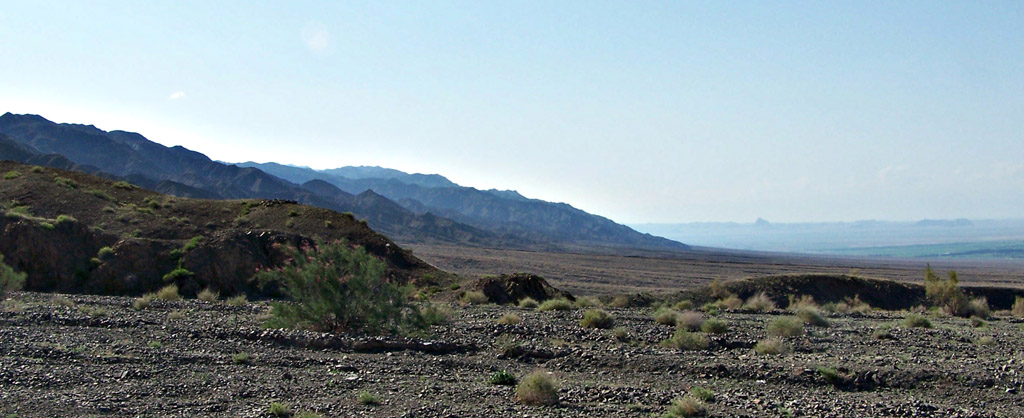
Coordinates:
(407,207)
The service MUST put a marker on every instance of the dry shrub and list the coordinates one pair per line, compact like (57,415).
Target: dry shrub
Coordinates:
(509,319)
(587,302)
(596,318)
(208,295)
(1018,307)
(537,388)
(691,320)
(731,302)
(474,298)
(978,308)
(686,340)
(811,316)
(687,406)
(169,292)
(528,303)
(715,326)
(771,346)
(759,302)
(555,305)
(801,301)
(787,326)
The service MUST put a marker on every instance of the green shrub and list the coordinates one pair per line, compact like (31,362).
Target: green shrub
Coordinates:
(702,393)
(811,316)
(528,303)
(771,346)
(715,326)
(13,174)
(208,295)
(64,219)
(178,274)
(123,185)
(156,344)
(537,388)
(66,182)
(587,302)
(759,302)
(786,326)
(336,288)
(597,318)
(47,226)
(666,316)
(169,292)
(1018,307)
(503,378)
(241,358)
(193,243)
(10,280)
(687,406)
(239,300)
(913,320)
(683,305)
(620,333)
(509,319)
(101,194)
(945,293)
(37,169)
(831,375)
(105,253)
(279,409)
(367,398)
(686,340)
(474,298)
(560,304)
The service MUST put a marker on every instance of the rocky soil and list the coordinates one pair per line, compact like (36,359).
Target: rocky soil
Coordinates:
(78,355)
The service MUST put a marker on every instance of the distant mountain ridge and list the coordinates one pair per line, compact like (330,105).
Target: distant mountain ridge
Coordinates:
(408,207)
(504,212)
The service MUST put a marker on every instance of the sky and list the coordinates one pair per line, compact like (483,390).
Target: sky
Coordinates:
(638,111)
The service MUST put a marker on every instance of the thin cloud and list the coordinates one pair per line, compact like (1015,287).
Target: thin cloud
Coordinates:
(176,95)
(316,37)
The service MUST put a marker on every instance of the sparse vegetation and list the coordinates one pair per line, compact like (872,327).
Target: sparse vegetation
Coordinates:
(537,388)
(687,406)
(702,393)
(560,304)
(66,182)
(666,316)
(208,295)
(597,318)
(786,326)
(10,280)
(686,340)
(362,302)
(169,292)
(239,300)
(831,375)
(241,358)
(1018,307)
(509,319)
(913,320)
(771,346)
(474,297)
(528,303)
(691,320)
(367,398)
(848,305)
(584,302)
(176,315)
(279,409)
(759,302)
(802,301)
(144,301)
(620,333)
(715,326)
(811,316)
(945,293)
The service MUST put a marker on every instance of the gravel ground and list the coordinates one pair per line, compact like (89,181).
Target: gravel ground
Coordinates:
(80,355)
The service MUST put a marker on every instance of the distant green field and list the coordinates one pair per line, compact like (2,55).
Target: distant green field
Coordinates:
(989,249)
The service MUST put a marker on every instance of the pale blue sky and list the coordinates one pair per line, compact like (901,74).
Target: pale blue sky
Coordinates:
(639,111)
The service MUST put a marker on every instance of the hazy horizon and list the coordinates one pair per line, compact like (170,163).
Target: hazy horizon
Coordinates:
(639,112)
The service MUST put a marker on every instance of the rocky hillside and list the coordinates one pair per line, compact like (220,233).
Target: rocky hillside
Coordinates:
(74,232)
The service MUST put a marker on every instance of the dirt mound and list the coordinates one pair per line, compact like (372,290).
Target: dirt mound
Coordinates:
(511,288)
(879,293)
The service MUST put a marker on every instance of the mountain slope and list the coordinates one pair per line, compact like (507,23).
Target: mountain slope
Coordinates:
(179,171)
(504,212)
